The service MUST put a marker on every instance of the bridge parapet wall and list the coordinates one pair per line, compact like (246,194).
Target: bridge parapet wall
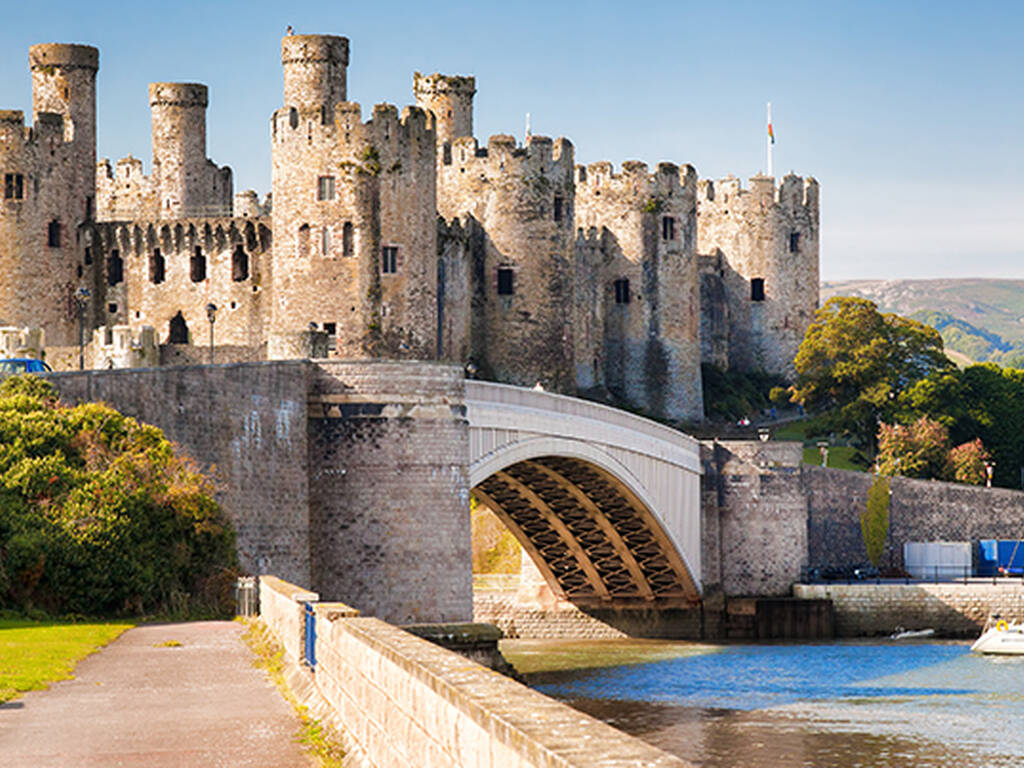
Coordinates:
(399,700)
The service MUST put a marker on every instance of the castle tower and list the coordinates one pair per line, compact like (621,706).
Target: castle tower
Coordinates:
(450,98)
(178,113)
(523,270)
(760,248)
(315,69)
(354,214)
(647,285)
(64,83)
(49,177)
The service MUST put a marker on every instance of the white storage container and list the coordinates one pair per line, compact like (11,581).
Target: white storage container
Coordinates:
(937,559)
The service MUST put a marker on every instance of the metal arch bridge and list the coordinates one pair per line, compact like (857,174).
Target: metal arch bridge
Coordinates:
(606,503)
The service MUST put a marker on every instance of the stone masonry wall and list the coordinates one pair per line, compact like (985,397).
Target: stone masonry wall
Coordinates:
(246,421)
(950,609)
(920,510)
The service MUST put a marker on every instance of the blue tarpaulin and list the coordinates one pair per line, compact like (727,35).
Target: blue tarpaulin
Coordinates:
(1000,556)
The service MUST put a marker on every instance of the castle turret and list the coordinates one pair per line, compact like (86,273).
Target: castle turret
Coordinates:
(185,186)
(450,99)
(315,70)
(64,83)
(354,215)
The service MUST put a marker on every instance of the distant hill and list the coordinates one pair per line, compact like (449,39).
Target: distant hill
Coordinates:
(980,320)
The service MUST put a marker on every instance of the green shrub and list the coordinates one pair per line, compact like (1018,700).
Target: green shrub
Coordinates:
(98,515)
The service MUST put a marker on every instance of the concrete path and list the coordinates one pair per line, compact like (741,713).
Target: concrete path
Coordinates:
(137,703)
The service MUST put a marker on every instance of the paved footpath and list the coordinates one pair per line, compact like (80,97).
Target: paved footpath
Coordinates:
(136,703)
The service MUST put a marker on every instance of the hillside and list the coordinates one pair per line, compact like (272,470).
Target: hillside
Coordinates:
(979,319)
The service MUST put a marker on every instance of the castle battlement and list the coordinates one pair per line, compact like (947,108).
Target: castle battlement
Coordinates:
(183,235)
(792,194)
(505,158)
(64,55)
(178,95)
(16,136)
(386,129)
(669,181)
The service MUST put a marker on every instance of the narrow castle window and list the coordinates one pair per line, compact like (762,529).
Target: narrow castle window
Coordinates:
(757,289)
(622,291)
(668,228)
(331,328)
(14,186)
(325,188)
(293,117)
(198,271)
(505,281)
(347,240)
(325,242)
(303,241)
(53,234)
(157,267)
(794,242)
(177,332)
(112,309)
(389,260)
(88,207)
(88,256)
(239,265)
(446,153)
(115,269)
(558,208)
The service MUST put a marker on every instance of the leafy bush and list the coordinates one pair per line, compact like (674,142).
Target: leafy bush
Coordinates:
(874,520)
(98,515)
(728,395)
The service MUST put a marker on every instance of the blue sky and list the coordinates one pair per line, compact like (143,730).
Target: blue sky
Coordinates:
(908,113)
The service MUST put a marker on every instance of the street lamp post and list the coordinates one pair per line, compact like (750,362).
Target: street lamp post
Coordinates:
(211,314)
(81,299)
(989,466)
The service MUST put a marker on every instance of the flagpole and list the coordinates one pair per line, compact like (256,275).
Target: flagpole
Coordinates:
(771,140)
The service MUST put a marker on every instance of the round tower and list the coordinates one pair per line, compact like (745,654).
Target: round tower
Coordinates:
(178,113)
(315,68)
(64,83)
(450,98)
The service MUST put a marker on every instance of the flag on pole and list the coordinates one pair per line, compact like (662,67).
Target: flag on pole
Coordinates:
(771,133)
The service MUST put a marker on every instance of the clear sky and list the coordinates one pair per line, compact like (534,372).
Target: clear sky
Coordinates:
(908,113)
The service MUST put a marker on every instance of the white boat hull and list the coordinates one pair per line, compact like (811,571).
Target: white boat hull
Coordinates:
(1002,638)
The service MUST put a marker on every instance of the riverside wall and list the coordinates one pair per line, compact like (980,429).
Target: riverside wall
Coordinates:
(400,701)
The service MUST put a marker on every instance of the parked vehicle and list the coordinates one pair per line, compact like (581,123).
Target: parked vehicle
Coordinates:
(15,365)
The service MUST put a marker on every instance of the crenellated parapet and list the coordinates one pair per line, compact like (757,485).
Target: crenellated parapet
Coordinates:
(449,99)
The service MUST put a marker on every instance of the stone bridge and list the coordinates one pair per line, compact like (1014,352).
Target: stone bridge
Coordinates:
(355,477)
(606,503)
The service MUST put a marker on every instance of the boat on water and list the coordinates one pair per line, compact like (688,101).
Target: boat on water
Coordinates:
(911,634)
(1001,637)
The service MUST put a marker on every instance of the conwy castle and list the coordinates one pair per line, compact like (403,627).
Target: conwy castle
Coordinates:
(398,236)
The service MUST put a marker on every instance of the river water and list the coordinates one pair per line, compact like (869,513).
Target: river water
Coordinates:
(843,704)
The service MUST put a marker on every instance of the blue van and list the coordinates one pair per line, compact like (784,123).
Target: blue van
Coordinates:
(13,365)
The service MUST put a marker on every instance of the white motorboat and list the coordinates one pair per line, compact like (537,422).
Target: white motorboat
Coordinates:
(1001,637)
(911,634)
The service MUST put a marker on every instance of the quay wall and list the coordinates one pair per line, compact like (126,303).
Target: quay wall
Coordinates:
(401,701)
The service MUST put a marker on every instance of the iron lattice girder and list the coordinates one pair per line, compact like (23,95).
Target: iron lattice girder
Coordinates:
(593,540)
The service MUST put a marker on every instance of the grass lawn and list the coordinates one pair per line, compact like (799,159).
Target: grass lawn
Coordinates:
(809,431)
(34,654)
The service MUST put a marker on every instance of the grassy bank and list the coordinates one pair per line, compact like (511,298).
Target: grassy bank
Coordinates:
(812,430)
(34,654)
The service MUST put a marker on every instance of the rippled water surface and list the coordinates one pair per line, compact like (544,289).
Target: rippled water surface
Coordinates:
(844,704)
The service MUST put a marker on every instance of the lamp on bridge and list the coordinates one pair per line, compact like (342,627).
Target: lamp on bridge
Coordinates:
(763,434)
(211,315)
(989,466)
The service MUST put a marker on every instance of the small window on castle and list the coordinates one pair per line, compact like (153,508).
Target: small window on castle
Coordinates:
(112,309)
(157,267)
(88,207)
(757,289)
(325,188)
(559,203)
(53,234)
(794,242)
(389,260)
(446,153)
(14,186)
(505,287)
(668,228)
(347,240)
(198,271)
(293,117)
(88,256)
(330,328)
(325,242)
(303,241)
(115,269)
(622,291)
(239,265)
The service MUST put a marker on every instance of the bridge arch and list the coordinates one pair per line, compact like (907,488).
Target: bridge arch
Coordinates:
(605,503)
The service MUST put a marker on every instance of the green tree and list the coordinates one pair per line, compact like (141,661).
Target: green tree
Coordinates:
(918,450)
(874,520)
(854,363)
(98,514)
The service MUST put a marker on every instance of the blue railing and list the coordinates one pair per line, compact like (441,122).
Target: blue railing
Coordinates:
(310,636)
